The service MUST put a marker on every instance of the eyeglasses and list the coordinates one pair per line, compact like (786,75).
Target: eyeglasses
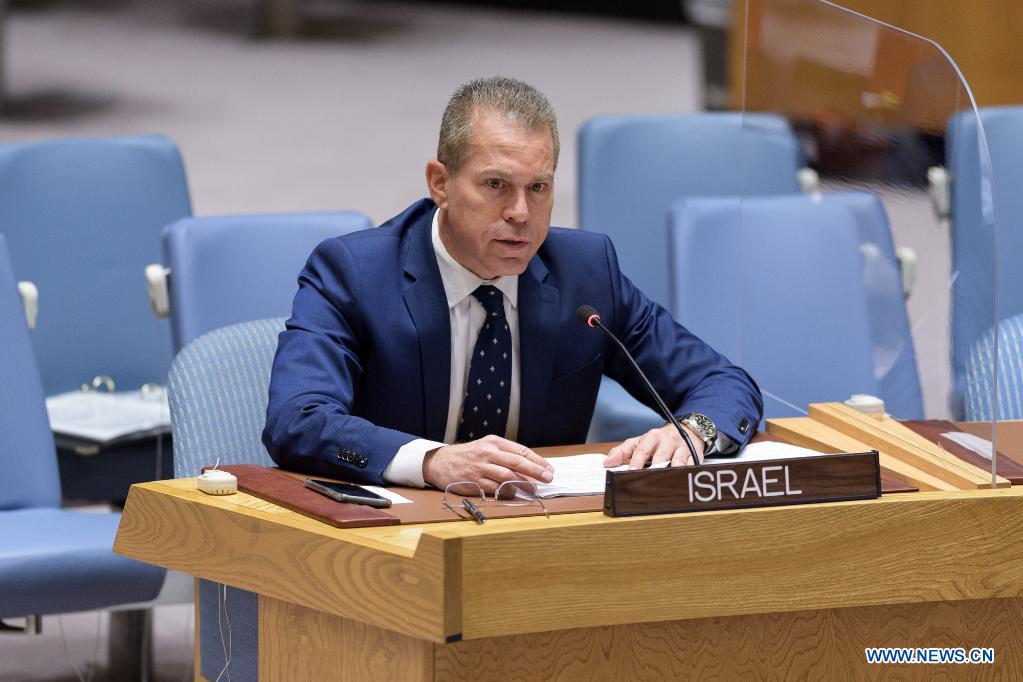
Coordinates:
(508,494)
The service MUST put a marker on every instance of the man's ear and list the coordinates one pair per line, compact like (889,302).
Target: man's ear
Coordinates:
(437,182)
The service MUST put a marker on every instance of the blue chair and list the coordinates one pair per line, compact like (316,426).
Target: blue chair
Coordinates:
(981,369)
(223,271)
(51,560)
(973,243)
(229,269)
(891,338)
(82,218)
(630,170)
(218,394)
(791,308)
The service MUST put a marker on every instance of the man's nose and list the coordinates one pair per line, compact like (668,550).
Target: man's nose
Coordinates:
(517,209)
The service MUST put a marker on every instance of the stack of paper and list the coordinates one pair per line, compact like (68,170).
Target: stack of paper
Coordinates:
(755,452)
(106,417)
(585,474)
(575,475)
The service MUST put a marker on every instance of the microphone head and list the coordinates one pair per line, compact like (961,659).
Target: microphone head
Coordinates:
(587,314)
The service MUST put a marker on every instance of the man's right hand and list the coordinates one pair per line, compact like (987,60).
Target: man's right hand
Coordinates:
(489,461)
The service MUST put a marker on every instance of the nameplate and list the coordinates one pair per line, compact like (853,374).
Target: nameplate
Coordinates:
(737,485)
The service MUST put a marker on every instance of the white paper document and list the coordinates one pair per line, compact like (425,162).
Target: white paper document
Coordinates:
(757,452)
(586,474)
(394,497)
(981,446)
(106,417)
(577,475)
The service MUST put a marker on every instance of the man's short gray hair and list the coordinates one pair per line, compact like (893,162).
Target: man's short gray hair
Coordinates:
(518,101)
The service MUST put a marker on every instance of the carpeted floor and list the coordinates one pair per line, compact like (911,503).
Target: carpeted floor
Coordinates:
(79,641)
(343,118)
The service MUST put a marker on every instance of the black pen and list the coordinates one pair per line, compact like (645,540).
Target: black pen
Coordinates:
(474,510)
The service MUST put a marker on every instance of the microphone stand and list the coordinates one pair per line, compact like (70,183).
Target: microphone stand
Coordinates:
(591,318)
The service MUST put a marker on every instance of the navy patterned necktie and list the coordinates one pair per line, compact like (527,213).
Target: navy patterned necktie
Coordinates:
(488,390)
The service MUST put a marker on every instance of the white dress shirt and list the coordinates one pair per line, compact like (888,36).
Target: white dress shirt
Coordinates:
(466,316)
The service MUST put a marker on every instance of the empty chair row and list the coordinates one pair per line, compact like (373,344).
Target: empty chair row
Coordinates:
(803,292)
(980,192)
(82,219)
(634,168)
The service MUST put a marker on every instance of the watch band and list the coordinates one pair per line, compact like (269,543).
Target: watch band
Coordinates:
(702,425)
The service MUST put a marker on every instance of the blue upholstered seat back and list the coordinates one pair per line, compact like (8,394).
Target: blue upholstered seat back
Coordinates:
(27,456)
(82,219)
(632,167)
(228,269)
(791,308)
(974,244)
(52,560)
(218,393)
(891,339)
(979,377)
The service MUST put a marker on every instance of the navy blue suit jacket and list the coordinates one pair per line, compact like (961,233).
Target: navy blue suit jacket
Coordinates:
(363,366)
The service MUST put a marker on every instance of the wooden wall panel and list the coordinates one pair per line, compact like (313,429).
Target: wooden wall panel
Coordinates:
(981,37)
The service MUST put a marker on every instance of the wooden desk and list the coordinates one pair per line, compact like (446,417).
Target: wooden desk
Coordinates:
(784,593)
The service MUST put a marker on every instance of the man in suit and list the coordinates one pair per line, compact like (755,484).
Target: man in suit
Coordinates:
(443,345)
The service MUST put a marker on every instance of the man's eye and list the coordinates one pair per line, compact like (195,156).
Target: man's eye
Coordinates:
(538,186)
(494,183)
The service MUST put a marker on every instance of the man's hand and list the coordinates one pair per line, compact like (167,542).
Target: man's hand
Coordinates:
(655,446)
(489,461)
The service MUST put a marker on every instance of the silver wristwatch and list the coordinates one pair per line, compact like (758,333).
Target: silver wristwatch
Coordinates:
(702,425)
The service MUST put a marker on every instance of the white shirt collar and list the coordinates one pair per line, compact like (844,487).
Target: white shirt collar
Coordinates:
(458,281)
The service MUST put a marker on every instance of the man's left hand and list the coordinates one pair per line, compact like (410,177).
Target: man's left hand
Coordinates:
(655,446)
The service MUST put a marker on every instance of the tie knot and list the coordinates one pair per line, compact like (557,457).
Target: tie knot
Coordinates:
(491,298)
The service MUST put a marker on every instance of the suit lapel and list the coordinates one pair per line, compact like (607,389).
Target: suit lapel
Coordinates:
(424,297)
(538,346)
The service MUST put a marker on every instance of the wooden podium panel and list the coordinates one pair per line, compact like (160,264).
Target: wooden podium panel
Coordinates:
(825,644)
(783,592)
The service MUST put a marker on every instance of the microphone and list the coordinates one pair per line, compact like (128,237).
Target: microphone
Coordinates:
(591,318)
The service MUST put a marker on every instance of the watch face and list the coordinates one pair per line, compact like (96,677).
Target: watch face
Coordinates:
(704,425)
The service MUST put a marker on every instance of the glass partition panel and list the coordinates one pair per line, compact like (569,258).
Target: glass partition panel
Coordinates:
(860,285)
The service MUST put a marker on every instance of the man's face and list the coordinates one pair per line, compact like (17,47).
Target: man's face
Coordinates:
(497,207)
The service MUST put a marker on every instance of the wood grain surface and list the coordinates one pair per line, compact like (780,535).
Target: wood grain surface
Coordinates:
(902,548)
(514,576)
(307,563)
(983,44)
(903,444)
(298,644)
(736,485)
(808,433)
(804,645)
(933,429)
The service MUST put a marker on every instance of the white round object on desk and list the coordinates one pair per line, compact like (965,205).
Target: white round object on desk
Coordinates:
(867,404)
(217,482)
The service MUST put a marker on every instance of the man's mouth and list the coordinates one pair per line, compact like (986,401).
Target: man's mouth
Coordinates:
(513,243)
